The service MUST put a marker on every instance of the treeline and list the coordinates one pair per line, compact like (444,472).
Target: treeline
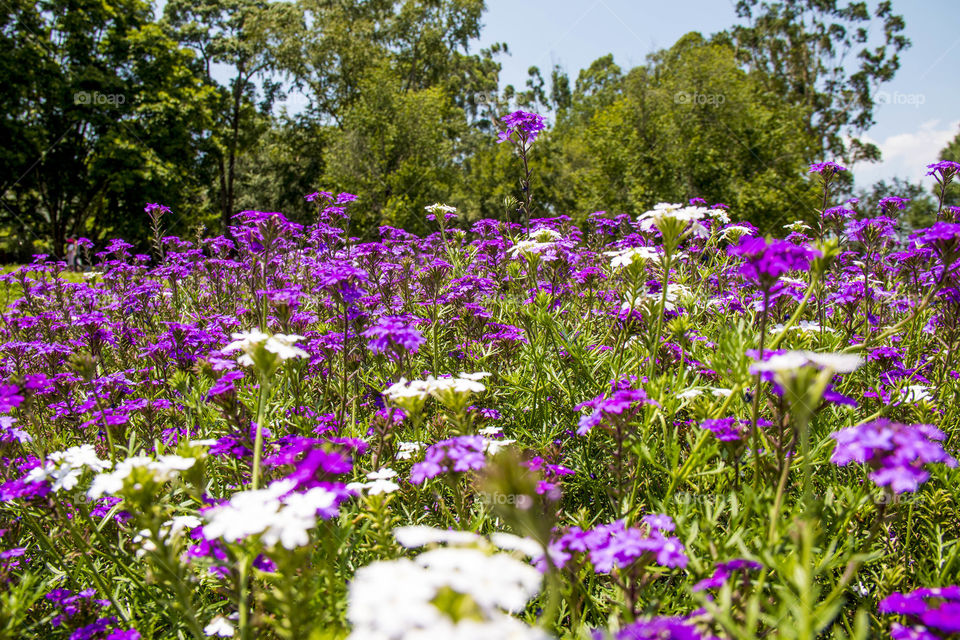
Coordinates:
(107,106)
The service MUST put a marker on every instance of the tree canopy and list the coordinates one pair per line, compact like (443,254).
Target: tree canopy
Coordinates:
(108,107)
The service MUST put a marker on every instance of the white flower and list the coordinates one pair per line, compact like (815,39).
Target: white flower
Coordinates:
(82,456)
(805,326)
(182,523)
(493,581)
(278,344)
(278,518)
(282,345)
(476,376)
(543,234)
(389,599)
(440,208)
(64,468)
(421,535)
(407,389)
(719,214)
(493,447)
(163,468)
(627,257)
(245,340)
(917,393)
(379,482)
(510,542)
(793,360)
(736,231)
(490,432)
(405,450)
(528,248)
(689,393)
(663,211)
(220,627)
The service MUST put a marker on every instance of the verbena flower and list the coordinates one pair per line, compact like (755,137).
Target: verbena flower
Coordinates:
(615,545)
(521,126)
(415,598)
(394,335)
(934,612)
(725,429)
(620,405)
(276,514)
(826,169)
(453,455)
(896,452)
(765,262)
(657,628)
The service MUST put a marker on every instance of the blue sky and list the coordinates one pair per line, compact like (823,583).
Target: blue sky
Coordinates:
(923,107)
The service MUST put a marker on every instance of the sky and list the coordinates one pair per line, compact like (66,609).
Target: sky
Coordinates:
(921,110)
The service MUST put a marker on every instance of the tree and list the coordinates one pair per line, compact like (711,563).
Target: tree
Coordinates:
(690,123)
(249,38)
(94,99)
(920,212)
(800,49)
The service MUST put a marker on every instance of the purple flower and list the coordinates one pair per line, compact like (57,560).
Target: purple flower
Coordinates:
(896,452)
(723,572)
(934,607)
(615,545)
(945,169)
(621,405)
(394,335)
(944,237)
(454,455)
(658,628)
(724,429)
(871,230)
(224,384)
(317,195)
(826,169)
(765,262)
(892,203)
(315,463)
(523,123)
(154,209)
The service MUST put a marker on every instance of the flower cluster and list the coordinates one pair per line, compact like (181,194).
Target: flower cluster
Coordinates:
(617,546)
(453,455)
(276,514)
(459,591)
(896,452)
(521,127)
(619,406)
(934,612)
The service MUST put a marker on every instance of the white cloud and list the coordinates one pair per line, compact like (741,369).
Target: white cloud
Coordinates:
(907,155)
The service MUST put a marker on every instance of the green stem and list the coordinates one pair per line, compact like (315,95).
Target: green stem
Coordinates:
(258,439)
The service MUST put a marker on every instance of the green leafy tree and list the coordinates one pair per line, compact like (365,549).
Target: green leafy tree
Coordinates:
(690,123)
(100,107)
(247,41)
(822,56)
(921,211)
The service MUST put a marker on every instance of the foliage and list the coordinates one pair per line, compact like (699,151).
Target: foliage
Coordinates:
(662,425)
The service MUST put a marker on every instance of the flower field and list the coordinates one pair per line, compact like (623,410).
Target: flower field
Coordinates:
(666,426)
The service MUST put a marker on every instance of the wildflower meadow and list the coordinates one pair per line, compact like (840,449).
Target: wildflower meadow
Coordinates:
(658,426)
